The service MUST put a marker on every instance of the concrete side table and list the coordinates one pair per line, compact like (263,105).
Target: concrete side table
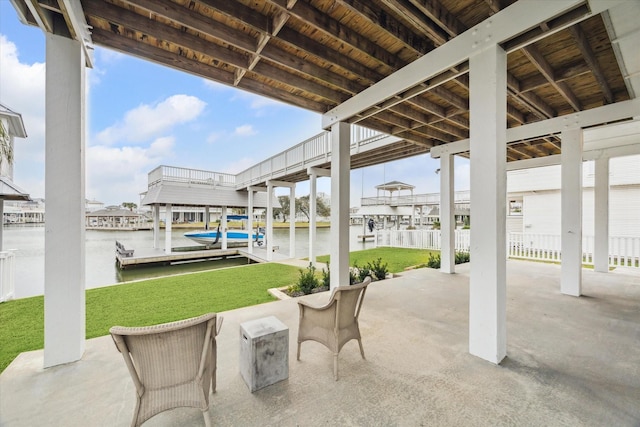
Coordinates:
(264,352)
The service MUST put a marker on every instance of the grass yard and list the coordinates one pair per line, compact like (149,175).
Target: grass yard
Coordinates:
(146,303)
(397,258)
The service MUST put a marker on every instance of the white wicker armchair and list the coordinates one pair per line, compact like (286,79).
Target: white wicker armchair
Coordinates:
(172,365)
(335,323)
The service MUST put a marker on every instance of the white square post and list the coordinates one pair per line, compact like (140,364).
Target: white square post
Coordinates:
(168,221)
(224,229)
(269,221)
(447,222)
(292,220)
(156,226)
(313,178)
(250,221)
(601,215)
(571,208)
(64,246)
(487,293)
(340,186)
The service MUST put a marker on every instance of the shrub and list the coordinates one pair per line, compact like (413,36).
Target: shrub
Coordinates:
(435,260)
(462,257)
(353,277)
(378,269)
(362,272)
(308,280)
(326,277)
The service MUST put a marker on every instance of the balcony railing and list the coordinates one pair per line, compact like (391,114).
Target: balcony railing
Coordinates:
(310,152)
(413,200)
(190,176)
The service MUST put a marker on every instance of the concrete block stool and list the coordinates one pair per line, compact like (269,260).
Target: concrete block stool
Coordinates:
(264,352)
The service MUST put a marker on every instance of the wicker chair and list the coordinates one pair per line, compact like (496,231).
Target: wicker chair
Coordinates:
(172,365)
(336,323)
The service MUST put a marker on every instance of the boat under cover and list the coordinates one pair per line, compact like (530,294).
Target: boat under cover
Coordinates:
(211,237)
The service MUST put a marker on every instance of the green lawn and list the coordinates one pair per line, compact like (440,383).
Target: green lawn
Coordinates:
(146,303)
(397,258)
(162,300)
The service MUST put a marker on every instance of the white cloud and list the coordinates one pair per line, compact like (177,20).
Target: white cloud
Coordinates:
(245,130)
(149,121)
(213,85)
(22,88)
(116,175)
(239,165)
(213,137)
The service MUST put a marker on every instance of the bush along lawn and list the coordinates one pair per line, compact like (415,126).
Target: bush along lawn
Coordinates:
(145,303)
(397,259)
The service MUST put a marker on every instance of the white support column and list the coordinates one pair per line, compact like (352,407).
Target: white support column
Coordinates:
(156,226)
(250,221)
(292,221)
(224,228)
(571,236)
(340,185)
(312,217)
(601,215)
(1,223)
(64,246)
(487,293)
(168,220)
(207,217)
(447,222)
(269,221)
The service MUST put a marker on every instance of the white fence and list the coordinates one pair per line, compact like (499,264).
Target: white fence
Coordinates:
(7,280)
(623,251)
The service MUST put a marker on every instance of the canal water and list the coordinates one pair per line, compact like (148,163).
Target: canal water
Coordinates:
(100,254)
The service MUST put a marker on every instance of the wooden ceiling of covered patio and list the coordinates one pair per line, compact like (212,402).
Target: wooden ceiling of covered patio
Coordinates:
(316,54)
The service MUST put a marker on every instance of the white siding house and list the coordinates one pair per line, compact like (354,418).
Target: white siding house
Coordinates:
(538,192)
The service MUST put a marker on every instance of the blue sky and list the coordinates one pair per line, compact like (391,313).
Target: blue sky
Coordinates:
(142,115)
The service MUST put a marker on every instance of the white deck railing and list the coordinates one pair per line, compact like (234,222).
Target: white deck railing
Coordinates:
(410,200)
(190,176)
(310,152)
(7,272)
(623,251)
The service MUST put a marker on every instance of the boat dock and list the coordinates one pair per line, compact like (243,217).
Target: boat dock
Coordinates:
(151,256)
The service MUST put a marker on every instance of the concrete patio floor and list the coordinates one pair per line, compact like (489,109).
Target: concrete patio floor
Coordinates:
(570,362)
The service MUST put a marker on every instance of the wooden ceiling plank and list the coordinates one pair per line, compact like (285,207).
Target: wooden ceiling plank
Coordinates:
(418,20)
(185,17)
(438,14)
(173,60)
(131,20)
(590,59)
(537,59)
(333,28)
(390,24)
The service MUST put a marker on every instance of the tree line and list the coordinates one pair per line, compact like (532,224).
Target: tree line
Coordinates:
(302,206)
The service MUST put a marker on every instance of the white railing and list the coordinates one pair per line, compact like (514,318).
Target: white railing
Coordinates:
(410,200)
(420,239)
(623,251)
(7,271)
(309,152)
(190,176)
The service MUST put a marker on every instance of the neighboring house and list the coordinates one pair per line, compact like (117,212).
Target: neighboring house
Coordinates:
(534,199)
(116,217)
(11,126)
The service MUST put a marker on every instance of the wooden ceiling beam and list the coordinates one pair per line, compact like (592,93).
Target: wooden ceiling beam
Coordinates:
(333,28)
(390,24)
(417,20)
(135,47)
(539,61)
(173,35)
(590,59)
(441,16)
(567,72)
(185,17)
